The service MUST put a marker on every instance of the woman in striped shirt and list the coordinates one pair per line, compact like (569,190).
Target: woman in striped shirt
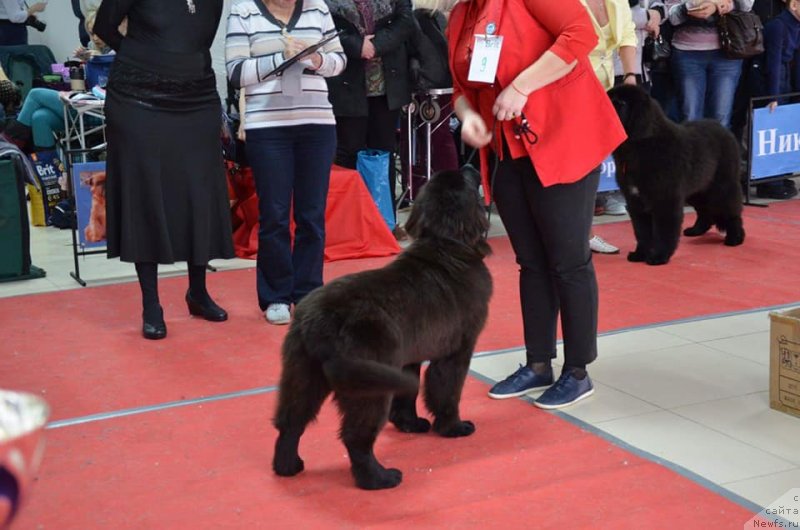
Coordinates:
(291,138)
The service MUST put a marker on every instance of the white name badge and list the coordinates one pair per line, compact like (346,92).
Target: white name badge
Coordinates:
(485,56)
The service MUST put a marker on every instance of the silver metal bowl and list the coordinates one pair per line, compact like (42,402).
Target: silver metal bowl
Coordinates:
(22,420)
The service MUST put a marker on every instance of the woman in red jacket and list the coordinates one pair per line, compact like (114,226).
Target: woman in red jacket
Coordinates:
(539,107)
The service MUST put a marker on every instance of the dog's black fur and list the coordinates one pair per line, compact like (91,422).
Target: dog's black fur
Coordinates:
(663,166)
(364,336)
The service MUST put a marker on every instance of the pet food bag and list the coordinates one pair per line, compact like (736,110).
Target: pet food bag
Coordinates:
(50,174)
(373,165)
(38,217)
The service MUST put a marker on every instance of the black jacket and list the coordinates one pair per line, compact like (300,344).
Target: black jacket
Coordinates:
(348,91)
(428,63)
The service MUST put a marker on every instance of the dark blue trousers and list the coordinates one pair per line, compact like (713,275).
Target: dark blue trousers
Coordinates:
(291,167)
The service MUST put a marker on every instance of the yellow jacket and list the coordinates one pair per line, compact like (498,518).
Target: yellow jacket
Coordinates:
(622,33)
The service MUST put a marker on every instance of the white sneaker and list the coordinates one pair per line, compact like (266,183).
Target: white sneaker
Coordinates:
(278,314)
(599,245)
(615,205)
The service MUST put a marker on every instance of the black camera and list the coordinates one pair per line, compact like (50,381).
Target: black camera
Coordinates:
(35,23)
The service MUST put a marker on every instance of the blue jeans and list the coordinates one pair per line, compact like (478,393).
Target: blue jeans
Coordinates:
(43,112)
(706,81)
(291,167)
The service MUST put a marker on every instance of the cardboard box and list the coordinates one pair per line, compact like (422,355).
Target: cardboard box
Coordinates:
(784,362)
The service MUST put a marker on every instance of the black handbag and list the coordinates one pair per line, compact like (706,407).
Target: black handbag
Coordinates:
(741,34)
(655,49)
(232,137)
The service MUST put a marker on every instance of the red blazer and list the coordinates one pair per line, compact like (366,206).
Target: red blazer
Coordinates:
(573,117)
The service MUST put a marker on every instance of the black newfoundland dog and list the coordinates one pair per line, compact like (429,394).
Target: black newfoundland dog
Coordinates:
(663,166)
(364,336)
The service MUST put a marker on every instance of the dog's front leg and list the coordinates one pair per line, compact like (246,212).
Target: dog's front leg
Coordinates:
(404,409)
(362,420)
(642,228)
(444,381)
(667,221)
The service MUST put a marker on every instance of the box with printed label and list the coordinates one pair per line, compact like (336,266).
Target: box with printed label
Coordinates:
(784,363)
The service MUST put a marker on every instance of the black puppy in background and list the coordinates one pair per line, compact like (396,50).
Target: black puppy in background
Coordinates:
(663,166)
(364,336)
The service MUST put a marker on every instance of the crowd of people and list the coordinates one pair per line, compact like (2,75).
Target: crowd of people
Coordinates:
(322,80)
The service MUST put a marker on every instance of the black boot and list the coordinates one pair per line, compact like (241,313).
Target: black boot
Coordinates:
(197,299)
(19,134)
(153,325)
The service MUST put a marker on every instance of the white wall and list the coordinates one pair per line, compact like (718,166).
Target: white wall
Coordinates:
(61,36)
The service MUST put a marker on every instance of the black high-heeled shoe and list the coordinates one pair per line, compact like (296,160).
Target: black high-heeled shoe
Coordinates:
(209,310)
(154,328)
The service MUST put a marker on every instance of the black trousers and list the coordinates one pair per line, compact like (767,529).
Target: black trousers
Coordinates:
(549,232)
(377,130)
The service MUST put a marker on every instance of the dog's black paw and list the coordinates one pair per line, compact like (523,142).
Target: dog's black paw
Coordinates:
(694,231)
(380,480)
(415,424)
(636,256)
(657,259)
(734,238)
(288,467)
(455,430)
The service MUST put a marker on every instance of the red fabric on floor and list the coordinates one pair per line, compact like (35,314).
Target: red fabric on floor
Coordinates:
(79,347)
(354,227)
(208,466)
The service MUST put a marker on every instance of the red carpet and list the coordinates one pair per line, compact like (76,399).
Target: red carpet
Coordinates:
(208,466)
(95,360)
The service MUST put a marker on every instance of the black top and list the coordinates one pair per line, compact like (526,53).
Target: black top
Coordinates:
(163,36)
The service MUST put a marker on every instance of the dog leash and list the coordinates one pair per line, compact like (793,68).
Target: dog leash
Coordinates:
(522,131)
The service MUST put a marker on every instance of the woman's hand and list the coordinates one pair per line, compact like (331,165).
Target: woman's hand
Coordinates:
(653,26)
(772,106)
(82,53)
(474,131)
(38,7)
(724,6)
(703,11)
(509,103)
(292,47)
(368,49)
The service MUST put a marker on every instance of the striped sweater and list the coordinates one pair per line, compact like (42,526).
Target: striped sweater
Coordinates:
(254,47)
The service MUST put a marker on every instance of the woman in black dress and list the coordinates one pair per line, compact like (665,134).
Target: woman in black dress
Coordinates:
(165,190)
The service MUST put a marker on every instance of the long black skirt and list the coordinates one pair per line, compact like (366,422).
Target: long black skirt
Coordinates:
(166,193)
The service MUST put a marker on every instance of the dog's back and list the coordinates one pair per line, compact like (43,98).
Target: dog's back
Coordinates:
(414,309)
(714,157)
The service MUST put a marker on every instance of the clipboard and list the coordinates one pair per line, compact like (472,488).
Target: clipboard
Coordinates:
(305,53)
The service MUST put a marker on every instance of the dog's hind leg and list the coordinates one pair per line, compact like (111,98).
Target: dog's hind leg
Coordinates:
(303,389)
(701,225)
(362,420)
(734,231)
(444,381)
(705,218)
(404,409)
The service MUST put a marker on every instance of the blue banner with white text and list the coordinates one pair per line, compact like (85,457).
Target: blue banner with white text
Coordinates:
(776,141)
(608,176)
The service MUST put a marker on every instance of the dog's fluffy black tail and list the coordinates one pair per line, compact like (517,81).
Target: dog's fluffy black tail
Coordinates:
(363,378)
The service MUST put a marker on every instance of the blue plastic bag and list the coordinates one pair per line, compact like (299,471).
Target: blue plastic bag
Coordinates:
(373,165)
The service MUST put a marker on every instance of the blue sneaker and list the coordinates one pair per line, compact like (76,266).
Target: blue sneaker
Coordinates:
(566,391)
(519,383)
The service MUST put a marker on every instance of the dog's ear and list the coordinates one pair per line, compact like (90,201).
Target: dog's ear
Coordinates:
(640,114)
